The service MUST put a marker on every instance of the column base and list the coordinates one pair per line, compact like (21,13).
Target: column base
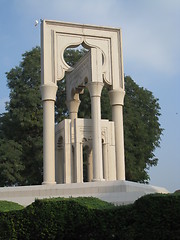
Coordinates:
(48,183)
(98,180)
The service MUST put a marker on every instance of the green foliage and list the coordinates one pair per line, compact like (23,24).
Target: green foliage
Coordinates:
(6,206)
(157,217)
(11,166)
(142,130)
(72,56)
(21,125)
(153,217)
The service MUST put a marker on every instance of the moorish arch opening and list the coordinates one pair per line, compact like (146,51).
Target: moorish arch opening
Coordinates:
(72,54)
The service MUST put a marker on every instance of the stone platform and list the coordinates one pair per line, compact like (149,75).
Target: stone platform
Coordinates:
(117,192)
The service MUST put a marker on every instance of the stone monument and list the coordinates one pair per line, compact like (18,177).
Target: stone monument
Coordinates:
(101,66)
(102,141)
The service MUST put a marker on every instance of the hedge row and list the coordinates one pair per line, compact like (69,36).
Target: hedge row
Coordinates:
(151,217)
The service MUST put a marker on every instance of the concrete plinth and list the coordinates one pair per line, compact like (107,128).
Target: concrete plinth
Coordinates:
(117,192)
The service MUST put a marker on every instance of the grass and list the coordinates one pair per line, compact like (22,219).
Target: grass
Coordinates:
(6,206)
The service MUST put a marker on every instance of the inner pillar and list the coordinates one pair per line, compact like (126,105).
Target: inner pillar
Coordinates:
(78,162)
(105,161)
(95,89)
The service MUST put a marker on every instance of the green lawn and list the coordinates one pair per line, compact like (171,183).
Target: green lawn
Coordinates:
(6,206)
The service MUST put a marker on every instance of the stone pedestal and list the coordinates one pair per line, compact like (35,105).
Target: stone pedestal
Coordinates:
(117,192)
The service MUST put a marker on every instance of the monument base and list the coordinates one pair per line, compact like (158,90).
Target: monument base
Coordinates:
(117,192)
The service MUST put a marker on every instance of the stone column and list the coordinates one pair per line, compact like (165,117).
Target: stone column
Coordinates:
(78,158)
(117,102)
(105,161)
(48,93)
(67,161)
(73,106)
(95,89)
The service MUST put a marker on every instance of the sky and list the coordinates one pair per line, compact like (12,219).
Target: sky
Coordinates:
(151,53)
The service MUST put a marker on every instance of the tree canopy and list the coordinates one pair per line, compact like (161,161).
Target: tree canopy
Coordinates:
(22,123)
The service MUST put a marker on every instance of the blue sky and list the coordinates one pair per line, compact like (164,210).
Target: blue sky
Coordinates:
(151,50)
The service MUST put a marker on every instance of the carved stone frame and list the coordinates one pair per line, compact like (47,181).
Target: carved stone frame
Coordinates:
(57,36)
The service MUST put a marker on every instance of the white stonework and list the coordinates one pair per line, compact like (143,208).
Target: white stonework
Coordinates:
(101,141)
(69,162)
(117,192)
(101,66)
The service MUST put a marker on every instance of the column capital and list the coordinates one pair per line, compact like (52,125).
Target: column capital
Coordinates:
(117,97)
(73,105)
(48,91)
(95,88)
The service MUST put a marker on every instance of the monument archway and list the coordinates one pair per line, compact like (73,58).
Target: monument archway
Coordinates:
(102,65)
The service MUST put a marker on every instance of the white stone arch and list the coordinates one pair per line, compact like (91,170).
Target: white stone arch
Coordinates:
(57,36)
(106,41)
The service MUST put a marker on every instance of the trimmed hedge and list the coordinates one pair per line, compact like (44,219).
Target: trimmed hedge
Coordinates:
(155,216)
(158,217)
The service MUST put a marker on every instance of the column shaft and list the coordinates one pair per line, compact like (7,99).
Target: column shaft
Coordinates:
(78,155)
(117,117)
(48,92)
(117,102)
(95,89)
(105,161)
(97,142)
(48,143)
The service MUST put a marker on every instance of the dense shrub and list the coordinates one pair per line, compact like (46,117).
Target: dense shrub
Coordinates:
(151,217)
(158,217)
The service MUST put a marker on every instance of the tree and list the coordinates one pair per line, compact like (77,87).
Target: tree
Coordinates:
(10,164)
(141,129)
(21,125)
